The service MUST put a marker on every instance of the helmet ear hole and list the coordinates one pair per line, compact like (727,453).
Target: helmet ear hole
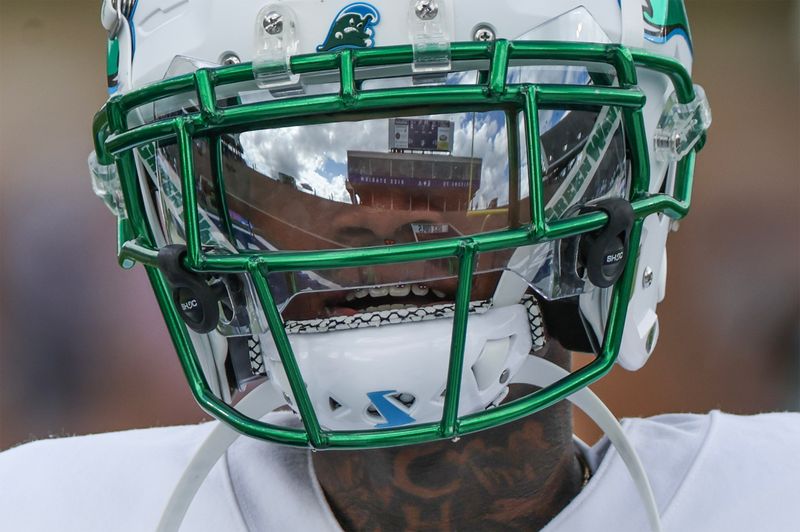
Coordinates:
(334,404)
(405,399)
(489,368)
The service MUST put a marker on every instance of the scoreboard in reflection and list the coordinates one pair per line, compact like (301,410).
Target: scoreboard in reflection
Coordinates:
(421,135)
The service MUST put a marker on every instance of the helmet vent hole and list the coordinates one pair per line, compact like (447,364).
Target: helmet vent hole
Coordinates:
(491,367)
(373,412)
(334,404)
(406,399)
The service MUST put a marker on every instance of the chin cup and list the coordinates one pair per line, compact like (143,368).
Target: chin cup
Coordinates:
(197,297)
(603,253)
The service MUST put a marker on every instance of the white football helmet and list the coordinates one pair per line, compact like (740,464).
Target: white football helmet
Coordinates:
(383,209)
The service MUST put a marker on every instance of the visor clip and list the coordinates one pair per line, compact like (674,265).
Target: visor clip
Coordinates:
(603,253)
(196,296)
(276,41)
(430,24)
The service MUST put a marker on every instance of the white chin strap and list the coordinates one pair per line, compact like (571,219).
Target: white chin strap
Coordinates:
(265,399)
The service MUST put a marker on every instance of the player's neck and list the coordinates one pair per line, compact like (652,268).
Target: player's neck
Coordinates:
(516,477)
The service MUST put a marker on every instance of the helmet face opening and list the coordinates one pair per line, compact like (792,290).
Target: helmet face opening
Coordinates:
(350,211)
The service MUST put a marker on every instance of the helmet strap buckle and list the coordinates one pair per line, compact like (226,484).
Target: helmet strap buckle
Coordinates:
(196,296)
(603,253)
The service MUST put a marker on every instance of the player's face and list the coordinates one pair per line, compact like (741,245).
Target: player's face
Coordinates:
(381,182)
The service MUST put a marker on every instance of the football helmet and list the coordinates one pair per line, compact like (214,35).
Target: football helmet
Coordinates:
(381,211)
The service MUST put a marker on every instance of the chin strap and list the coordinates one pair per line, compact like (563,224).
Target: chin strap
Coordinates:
(264,399)
(261,401)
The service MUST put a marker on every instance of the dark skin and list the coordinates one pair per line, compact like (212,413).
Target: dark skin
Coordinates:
(515,477)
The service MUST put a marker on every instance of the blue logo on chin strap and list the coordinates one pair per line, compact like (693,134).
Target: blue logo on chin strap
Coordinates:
(391,413)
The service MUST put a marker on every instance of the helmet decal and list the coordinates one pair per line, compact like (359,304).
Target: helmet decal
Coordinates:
(665,19)
(353,27)
(393,415)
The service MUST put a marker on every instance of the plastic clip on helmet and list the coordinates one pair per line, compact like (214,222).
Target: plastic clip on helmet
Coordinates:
(375,213)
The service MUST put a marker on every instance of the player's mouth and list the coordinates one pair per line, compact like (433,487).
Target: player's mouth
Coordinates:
(373,299)
(320,305)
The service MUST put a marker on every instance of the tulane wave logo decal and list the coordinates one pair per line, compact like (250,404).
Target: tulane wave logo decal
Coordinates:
(353,27)
(664,19)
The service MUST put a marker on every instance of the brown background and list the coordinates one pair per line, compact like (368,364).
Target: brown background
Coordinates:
(82,345)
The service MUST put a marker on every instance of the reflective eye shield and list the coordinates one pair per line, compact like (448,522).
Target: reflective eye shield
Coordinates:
(344,185)
(115,141)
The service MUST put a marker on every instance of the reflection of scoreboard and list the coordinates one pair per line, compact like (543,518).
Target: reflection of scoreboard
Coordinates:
(417,181)
(421,135)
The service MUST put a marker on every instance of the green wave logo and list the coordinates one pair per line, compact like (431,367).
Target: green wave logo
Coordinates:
(353,27)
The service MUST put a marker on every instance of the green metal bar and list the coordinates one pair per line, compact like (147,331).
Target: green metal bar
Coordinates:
(499,70)
(684,180)
(100,132)
(124,234)
(569,97)
(514,194)
(133,250)
(118,143)
(558,229)
(620,300)
(614,54)
(660,203)
(625,65)
(449,98)
(218,172)
(384,438)
(458,344)
(385,100)
(317,438)
(581,378)
(633,122)
(535,172)
(156,91)
(128,174)
(348,77)
(672,68)
(468,424)
(197,380)
(289,261)
(204,83)
(191,218)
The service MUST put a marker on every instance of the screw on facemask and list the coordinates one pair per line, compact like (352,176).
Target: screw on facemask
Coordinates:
(484,33)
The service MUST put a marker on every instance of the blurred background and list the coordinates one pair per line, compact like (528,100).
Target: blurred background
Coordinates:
(82,345)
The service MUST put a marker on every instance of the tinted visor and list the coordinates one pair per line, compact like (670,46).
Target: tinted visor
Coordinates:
(398,180)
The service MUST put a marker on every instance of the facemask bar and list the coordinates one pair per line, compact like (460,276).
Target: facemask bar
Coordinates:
(137,242)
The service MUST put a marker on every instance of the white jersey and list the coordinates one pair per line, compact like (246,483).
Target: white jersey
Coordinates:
(713,473)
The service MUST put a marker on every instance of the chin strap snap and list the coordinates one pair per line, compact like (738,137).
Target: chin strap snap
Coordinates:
(265,398)
(196,296)
(604,252)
